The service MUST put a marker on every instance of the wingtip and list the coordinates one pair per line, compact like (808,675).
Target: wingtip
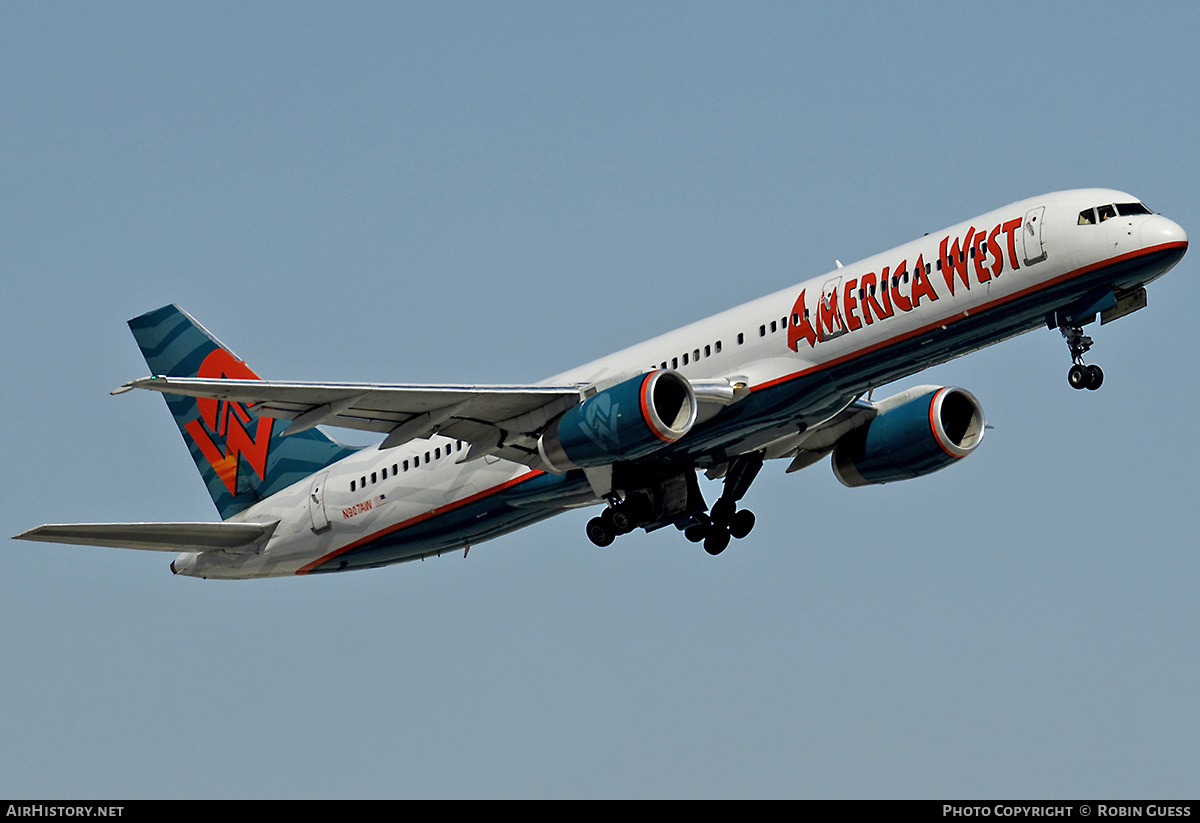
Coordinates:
(140,383)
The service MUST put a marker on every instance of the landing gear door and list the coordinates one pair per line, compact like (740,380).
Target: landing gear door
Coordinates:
(316,503)
(1031,232)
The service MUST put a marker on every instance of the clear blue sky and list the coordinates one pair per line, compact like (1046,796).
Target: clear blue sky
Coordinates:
(494,192)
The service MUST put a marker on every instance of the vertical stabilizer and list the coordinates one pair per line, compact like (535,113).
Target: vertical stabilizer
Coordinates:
(241,456)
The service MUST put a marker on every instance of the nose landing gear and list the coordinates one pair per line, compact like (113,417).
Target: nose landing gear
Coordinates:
(1081,375)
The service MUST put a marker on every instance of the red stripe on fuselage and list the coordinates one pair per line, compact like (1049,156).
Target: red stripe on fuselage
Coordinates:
(305,569)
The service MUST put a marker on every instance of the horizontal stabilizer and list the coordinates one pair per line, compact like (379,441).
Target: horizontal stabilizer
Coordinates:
(156,537)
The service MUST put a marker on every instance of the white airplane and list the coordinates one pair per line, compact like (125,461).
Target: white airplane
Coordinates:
(784,376)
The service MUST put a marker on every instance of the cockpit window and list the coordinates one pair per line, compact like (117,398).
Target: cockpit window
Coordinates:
(1089,217)
(1130,209)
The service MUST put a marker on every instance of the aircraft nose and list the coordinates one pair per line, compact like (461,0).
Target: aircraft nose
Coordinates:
(1159,231)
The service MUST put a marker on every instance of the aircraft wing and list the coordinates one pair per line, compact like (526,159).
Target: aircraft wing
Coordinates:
(500,420)
(156,537)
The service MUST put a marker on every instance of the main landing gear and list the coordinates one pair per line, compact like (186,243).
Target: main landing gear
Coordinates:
(671,500)
(725,521)
(1081,376)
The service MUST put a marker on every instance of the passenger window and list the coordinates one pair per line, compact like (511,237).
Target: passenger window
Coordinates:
(717,348)
(741,338)
(695,355)
(383,476)
(685,360)
(707,351)
(674,362)
(762,331)
(373,477)
(395,469)
(351,485)
(405,464)
(773,327)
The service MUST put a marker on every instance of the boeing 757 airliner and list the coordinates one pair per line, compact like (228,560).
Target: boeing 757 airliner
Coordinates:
(786,376)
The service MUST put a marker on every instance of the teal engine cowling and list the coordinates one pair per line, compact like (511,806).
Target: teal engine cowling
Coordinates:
(623,422)
(915,433)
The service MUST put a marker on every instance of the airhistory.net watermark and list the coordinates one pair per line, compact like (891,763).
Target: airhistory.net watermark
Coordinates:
(43,810)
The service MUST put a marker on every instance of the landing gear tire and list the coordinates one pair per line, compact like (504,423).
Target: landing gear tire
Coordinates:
(742,524)
(1095,377)
(716,541)
(622,522)
(600,532)
(697,532)
(723,511)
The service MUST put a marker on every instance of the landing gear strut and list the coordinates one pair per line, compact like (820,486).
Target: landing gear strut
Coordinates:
(1081,376)
(725,521)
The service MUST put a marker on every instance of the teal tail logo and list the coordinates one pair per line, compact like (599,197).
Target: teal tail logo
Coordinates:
(240,455)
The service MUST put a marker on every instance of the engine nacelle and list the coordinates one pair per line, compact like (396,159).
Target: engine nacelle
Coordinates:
(623,422)
(915,433)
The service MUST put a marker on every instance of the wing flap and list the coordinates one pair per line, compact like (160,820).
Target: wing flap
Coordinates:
(157,537)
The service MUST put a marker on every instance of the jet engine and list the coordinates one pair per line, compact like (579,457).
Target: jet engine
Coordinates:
(623,422)
(915,433)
